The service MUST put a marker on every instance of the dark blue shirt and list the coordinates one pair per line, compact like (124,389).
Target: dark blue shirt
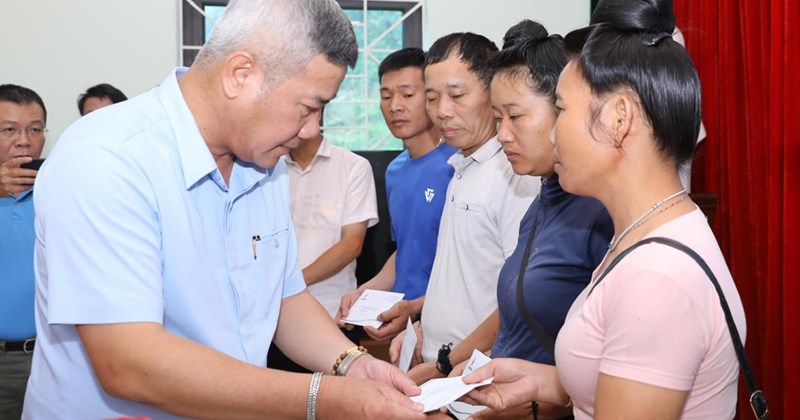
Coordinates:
(415,190)
(571,237)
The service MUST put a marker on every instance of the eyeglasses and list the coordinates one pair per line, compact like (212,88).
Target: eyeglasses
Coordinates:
(33,133)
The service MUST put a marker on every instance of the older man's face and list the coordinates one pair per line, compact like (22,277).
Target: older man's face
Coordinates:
(458,104)
(274,122)
(21,130)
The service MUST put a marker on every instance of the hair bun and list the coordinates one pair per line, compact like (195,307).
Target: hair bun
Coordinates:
(637,15)
(524,32)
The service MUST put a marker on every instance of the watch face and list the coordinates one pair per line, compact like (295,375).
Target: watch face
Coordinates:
(443,360)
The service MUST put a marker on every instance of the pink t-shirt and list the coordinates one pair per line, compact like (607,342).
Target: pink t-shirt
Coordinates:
(656,319)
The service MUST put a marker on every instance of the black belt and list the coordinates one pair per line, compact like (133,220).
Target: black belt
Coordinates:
(25,346)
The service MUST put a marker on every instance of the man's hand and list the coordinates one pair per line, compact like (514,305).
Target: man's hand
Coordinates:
(368,367)
(13,179)
(394,320)
(397,345)
(375,393)
(347,302)
(351,398)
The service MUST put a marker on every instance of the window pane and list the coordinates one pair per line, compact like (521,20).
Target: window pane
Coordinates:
(379,136)
(349,139)
(345,114)
(379,22)
(352,89)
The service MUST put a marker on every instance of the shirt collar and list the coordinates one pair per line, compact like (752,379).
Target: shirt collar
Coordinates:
(245,176)
(196,160)
(21,196)
(324,150)
(551,191)
(482,155)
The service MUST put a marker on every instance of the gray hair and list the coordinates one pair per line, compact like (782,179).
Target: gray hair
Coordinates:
(284,35)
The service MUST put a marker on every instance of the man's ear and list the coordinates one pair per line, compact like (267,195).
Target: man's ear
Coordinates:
(237,72)
(618,116)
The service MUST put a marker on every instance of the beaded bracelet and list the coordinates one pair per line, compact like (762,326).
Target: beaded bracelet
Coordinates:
(313,390)
(346,359)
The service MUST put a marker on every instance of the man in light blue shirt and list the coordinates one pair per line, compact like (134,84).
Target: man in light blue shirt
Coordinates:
(22,121)
(166,259)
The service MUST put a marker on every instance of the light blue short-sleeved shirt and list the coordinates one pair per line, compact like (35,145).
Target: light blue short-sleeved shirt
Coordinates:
(134,223)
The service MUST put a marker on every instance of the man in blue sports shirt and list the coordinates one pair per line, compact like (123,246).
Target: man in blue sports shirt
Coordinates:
(416,182)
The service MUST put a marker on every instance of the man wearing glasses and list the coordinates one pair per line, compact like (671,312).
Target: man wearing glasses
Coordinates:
(22,121)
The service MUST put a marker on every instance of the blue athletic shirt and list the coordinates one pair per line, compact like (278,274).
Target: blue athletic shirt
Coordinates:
(415,190)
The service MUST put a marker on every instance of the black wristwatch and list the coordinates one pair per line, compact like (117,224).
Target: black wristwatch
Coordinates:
(443,360)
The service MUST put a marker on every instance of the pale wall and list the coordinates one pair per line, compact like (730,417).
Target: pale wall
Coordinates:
(61,47)
(493,17)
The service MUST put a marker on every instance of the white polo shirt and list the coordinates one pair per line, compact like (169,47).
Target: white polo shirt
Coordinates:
(335,190)
(479,229)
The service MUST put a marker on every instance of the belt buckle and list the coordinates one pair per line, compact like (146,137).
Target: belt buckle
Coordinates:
(32,342)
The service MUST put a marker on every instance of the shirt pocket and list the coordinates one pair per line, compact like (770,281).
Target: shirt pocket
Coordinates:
(258,267)
(474,221)
(470,213)
(259,251)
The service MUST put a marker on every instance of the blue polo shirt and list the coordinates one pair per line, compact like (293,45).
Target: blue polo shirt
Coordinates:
(135,224)
(415,192)
(570,240)
(16,267)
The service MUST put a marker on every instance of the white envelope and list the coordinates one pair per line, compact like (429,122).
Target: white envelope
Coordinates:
(462,410)
(407,350)
(437,393)
(369,305)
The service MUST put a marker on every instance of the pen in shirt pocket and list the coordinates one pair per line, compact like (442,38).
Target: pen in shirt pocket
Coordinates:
(256,238)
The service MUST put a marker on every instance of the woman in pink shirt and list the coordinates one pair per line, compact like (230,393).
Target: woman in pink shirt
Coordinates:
(650,339)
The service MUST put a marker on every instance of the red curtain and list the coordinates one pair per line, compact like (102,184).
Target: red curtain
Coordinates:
(747,53)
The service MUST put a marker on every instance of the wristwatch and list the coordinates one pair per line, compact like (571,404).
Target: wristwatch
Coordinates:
(443,360)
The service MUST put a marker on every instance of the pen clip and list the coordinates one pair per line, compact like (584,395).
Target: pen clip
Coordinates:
(256,238)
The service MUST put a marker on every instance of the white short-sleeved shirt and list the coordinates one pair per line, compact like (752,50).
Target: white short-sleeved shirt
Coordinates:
(134,223)
(479,229)
(656,319)
(335,190)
